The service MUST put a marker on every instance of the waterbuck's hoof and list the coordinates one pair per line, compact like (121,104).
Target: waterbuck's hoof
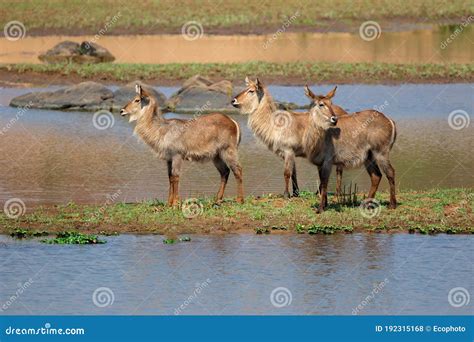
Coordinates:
(296,194)
(286,195)
(240,200)
(392,206)
(319,210)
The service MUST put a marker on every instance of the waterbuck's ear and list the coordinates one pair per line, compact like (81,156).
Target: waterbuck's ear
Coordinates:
(308,92)
(138,89)
(331,94)
(258,84)
(247,81)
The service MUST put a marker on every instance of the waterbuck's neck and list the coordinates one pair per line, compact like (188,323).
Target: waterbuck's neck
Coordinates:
(260,121)
(314,138)
(149,122)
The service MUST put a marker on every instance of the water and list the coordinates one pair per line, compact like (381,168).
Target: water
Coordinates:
(51,157)
(236,274)
(417,46)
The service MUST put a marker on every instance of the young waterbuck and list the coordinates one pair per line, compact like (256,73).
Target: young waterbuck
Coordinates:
(281,131)
(364,137)
(213,137)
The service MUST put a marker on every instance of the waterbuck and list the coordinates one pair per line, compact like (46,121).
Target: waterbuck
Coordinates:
(281,131)
(213,137)
(364,137)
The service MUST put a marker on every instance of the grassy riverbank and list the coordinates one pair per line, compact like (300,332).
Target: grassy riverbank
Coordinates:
(282,73)
(426,212)
(42,17)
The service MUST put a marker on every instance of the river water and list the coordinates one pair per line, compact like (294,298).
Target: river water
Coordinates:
(236,274)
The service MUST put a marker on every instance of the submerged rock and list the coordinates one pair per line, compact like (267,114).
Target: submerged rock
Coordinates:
(71,52)
(86,96)
(83,96)
(199,94)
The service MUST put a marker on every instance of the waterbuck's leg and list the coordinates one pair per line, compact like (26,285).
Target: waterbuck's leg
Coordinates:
(296,189)
(175,172)
(375,176)
(224,171)
(339,169)
(324,173)
(289,166)
(389,171)
(230,157)
(171,188)
(321,185)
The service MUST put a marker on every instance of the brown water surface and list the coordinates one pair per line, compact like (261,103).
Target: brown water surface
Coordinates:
(417,46)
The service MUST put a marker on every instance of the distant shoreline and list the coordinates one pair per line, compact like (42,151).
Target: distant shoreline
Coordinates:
(293,73)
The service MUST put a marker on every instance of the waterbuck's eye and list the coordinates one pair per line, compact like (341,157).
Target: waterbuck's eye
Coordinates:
(251,91)
(137,100)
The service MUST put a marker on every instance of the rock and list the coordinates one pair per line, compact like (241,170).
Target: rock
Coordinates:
(199,94)
(86,52)
(125,94)
(90,96)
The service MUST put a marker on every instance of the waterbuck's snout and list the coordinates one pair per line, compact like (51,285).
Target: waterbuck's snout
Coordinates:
(235,102)
(333,120)
(123,112)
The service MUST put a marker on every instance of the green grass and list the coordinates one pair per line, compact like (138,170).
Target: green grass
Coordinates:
(303,71)
(426,212)
(92,15)
(74,238)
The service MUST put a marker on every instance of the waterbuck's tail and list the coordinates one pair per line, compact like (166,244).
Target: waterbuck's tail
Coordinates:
(394,133)
(239,137)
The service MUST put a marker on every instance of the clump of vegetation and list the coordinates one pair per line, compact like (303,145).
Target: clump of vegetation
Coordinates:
(23,233)
(322,229)
(170,241)
(262,230)
(74,238)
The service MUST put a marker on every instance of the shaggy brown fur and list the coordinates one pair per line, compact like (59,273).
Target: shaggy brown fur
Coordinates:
(209,137)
